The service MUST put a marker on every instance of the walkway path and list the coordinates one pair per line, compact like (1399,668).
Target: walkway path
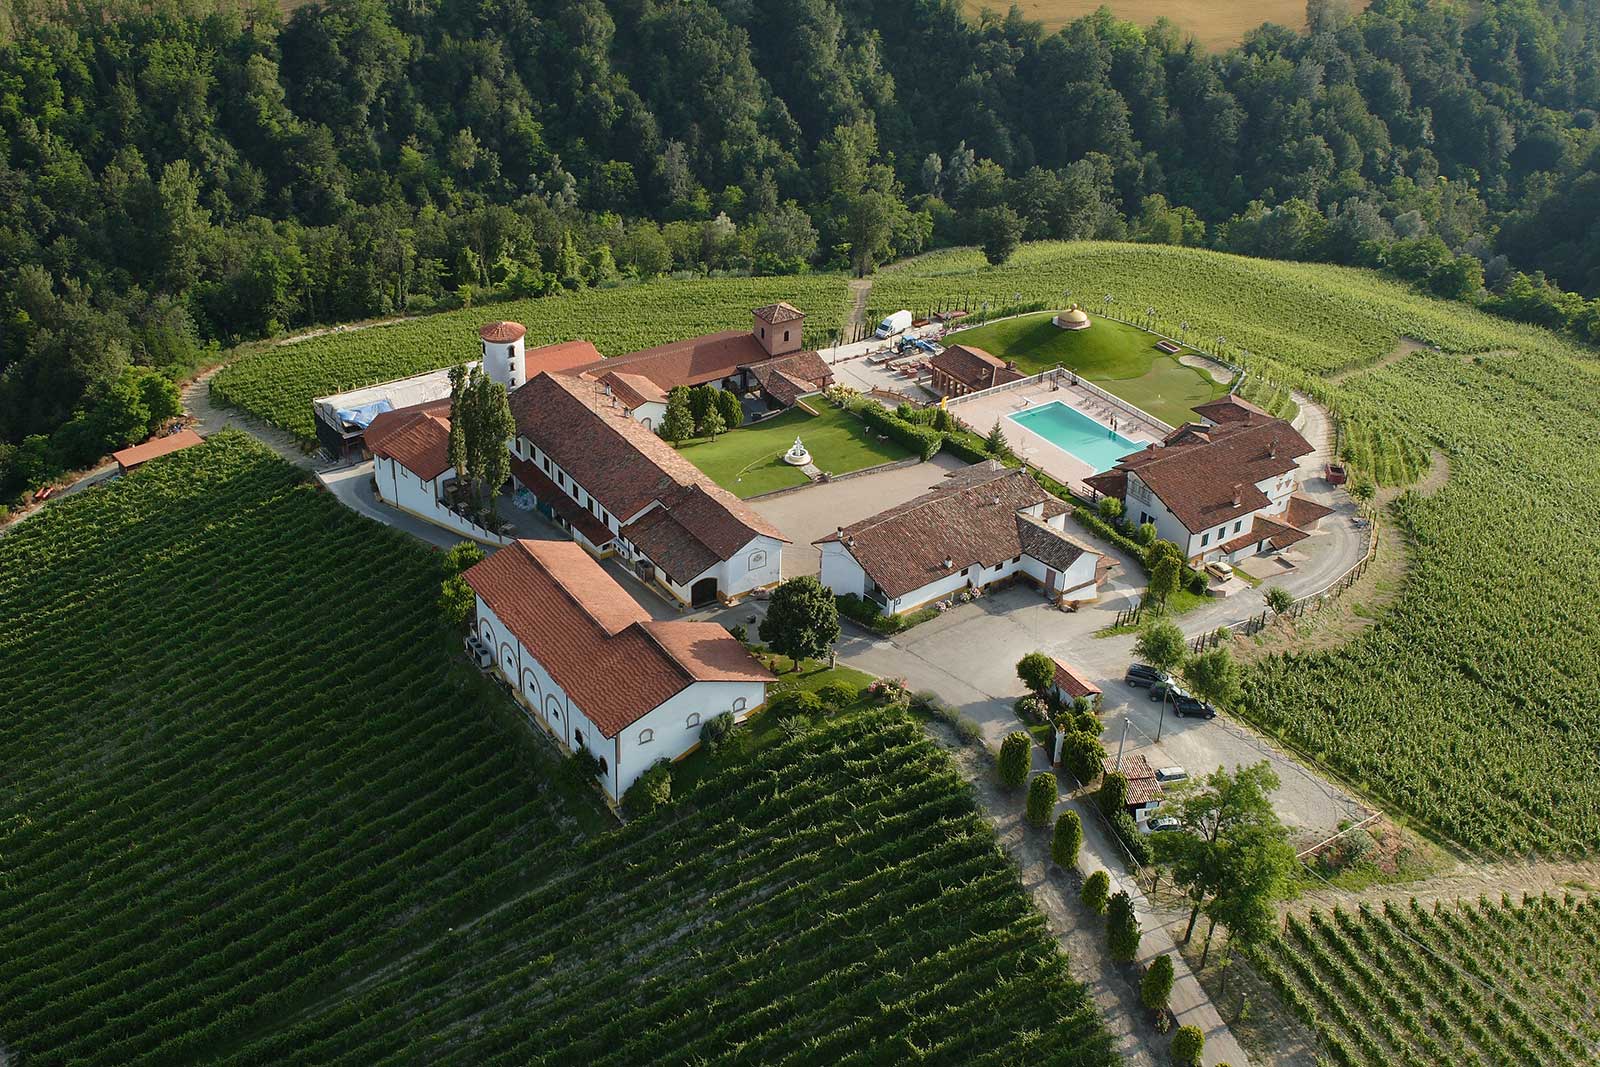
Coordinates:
(1082,935)
(210,418)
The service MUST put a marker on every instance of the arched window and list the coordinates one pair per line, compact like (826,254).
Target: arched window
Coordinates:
(603,769)
(646,736)
(578,735)
(692,721)
(739,705)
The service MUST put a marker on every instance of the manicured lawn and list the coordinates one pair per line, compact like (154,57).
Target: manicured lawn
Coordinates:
(750,460)
(1118,358)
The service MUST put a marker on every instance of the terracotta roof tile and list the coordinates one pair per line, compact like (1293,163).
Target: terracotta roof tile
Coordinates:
(502,332)
(564,355)
(1048,545)
(416,437)
(782,311)
(1142,784)
(634,390)
(625,466)
(581,519)
(1229,408)
(596,642)
(671,545)
(1197,480)
(971,519)
(694,361)
(1303,511)
(128,458)
(1073,684)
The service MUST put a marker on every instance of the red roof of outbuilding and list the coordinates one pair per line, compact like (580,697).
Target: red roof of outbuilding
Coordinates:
(416,437)
(596,642)
(129,458)
(693,361)
(564,355)
(1072,683)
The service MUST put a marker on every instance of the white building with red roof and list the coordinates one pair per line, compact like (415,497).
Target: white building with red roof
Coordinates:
(411,468)
(982,525)
(593,668)
(621,490)
(1224,488)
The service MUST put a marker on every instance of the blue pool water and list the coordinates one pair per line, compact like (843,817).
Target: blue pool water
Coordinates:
(1072,431)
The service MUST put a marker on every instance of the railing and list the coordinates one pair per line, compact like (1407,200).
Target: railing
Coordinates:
(1308,603)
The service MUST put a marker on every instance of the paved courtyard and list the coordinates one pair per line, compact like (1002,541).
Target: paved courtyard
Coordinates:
(817,510)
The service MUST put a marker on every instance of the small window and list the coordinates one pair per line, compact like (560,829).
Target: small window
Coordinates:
(603,768)
(1205,539)
(1016,559)
(785,335)
(578,736)
(544,461)
(692,721)
(763,331)
(646,736)
(739,704)
(511,351)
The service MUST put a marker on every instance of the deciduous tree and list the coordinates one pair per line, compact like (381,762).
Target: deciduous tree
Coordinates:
(802,619)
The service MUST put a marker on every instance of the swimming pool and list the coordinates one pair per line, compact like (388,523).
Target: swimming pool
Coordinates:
(1076,433)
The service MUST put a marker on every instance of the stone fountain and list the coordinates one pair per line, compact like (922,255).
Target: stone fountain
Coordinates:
(797,456)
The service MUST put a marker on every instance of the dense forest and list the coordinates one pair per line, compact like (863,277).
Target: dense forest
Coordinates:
(179,174)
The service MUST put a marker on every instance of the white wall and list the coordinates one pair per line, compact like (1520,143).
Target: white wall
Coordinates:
(402,489)
(670,723)
(650,414)
(840,571)
(1168,528)
(625,756)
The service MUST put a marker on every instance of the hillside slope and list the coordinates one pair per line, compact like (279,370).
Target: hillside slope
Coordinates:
(256,809)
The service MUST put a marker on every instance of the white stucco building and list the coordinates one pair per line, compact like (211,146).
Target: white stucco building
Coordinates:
(1225,488)
(592,668)
(411,469)
(982,525)
(620,490)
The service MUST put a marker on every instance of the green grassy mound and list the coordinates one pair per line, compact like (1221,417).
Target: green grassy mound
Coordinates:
(750,460)
(257,810)
(1119,358)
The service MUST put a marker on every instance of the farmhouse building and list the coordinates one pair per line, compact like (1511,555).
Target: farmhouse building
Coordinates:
(620,490)
(411,468)
(962,369)
(985,524)
(1224,488)
(595,671)
(769,357)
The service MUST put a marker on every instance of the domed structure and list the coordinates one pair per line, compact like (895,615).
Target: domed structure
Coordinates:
(503,352)
(1074,318)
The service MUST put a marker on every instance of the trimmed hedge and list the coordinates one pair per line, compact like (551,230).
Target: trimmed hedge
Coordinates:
(867,614)
(922,440)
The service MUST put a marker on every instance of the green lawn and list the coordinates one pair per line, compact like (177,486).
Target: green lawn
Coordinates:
(1118,358)
(749,461)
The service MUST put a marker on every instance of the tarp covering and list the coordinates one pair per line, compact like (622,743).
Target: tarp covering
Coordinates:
(363,416)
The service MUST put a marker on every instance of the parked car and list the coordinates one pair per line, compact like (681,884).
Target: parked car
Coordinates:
(1168,775)
(1185,706)
(1219,570)
(1142,674)
(1162,824)
(1162,690)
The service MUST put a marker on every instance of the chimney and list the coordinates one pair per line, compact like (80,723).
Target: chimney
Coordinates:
(1272,450)
(948,563)
(1238,489)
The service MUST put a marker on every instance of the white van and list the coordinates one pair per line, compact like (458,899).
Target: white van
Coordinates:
(899,322)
